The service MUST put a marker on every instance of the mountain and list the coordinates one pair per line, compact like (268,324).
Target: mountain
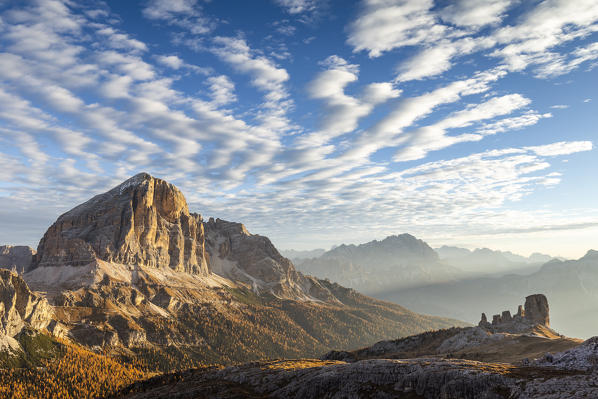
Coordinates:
(514,357)
(134,272)
(396,262)
(488,261)
(16,257)
(295,255)
(572,284)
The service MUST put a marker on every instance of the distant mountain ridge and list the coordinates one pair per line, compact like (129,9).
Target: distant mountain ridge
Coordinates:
(307,254)
(16,257)
(483,260)
(394,262)
(404,261)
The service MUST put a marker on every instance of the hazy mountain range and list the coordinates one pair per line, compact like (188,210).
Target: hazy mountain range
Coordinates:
(572,286)
(460,283)
(403,261)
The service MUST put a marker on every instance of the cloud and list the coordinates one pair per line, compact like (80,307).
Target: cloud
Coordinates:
(169,9)
(550,24)
(185,14)
(475,13)
(171,61)
(223,89)
(384,25)
(528,118)
(265,75)
(429,62)
(237,145)
(562,148)
(557,65)
(416,144)
(343,111)
(120,40)
(297,6)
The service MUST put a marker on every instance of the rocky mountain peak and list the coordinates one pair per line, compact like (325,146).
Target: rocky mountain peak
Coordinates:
(591,255)
(143,221)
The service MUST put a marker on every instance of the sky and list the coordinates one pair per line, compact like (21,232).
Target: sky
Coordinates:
(315,123)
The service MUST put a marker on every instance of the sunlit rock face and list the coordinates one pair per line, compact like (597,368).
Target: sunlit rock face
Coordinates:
(19,307)
(143,221)
(238,255)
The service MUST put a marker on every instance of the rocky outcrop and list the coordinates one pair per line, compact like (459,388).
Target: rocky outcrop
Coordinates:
(19,307)
(236,254)
(143,221)
(16,257)
(536,312)
(380,378)
(582,357)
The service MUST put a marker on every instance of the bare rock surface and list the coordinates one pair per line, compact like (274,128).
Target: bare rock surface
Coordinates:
(19,307)
(582,357)
(250,258)
(143,221)
(536,309)
(16,257)
(380,378)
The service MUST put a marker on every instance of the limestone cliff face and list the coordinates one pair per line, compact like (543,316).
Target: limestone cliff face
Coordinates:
(236,254)
(17,257)
(144,221)
(19,307)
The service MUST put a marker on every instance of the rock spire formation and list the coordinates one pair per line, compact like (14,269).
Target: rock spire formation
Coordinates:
(143,221)
(534,312)
(537,310)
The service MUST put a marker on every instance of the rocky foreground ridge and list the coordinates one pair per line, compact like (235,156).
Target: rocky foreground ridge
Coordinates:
(473,362)
(134,272)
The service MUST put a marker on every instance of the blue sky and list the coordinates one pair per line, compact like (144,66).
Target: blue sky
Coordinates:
(468,122)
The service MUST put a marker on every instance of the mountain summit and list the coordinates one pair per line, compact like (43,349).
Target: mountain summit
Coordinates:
(143,221)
